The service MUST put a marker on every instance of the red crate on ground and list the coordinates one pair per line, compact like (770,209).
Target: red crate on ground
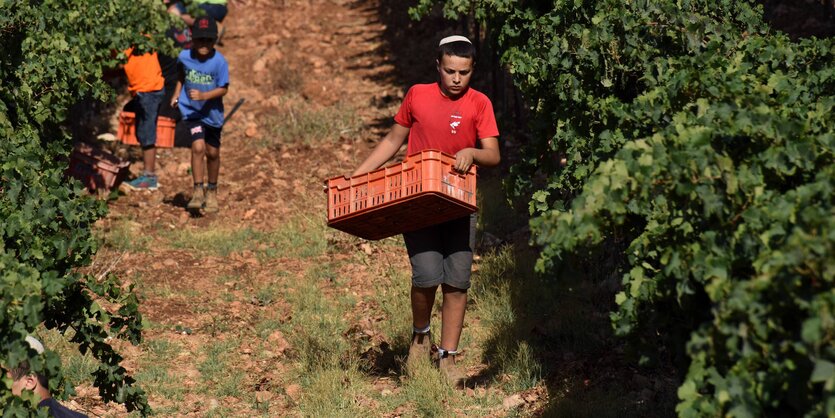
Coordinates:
(97,169)
(127,130)
(421,191)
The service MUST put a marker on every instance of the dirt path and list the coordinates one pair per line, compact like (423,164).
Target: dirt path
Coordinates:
(220,293)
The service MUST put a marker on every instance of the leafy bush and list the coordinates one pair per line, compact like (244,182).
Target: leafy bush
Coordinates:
(54,54)
(705,138)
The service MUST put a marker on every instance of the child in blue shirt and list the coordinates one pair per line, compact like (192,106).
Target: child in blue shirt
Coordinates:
(204,80)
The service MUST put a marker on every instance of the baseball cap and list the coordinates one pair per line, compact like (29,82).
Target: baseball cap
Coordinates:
(204,27)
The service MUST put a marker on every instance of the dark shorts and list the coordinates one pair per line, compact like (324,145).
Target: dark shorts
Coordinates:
(146,107)
(442,253)
(200,131)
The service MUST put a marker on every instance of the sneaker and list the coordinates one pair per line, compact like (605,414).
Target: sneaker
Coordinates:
(143,182)
(421,347)
(451,372)
(197,199)
(210,205)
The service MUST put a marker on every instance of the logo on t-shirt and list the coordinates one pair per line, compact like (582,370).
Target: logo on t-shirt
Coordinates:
(196,77)
(455,121)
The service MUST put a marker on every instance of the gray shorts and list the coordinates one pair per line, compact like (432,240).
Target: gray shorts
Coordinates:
(442,253)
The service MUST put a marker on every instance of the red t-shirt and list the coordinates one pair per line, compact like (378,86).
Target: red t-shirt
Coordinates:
(437,122)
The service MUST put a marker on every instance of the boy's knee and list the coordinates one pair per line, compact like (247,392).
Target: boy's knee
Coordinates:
(212,153)
(198,147)
(453,289)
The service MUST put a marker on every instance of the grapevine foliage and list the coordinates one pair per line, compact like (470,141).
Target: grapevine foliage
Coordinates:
(54,54)
(708,137)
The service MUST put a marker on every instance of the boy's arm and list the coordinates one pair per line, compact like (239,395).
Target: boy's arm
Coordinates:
(384,150)
(175,98)
(181,77)
(195,94)
(486,156)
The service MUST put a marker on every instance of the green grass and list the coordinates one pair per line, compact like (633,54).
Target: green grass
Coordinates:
(125,235)
(315,331)
(299,237)
(501,333)
(334,392)
(299,122)
(77,368)
(391,294)
(215,240)
(426,392)
(217,375)
(266,295)
(155,375)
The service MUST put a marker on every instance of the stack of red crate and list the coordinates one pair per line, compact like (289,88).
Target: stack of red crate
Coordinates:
(165,130)
(97,169)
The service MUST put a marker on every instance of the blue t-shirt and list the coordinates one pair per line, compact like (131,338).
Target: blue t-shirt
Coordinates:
(204,76)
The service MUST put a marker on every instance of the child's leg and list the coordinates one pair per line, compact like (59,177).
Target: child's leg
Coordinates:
(146,126)
(459,240)
(149,158)
(452,316)
(213,162)
(427,274)
(198,164)
(422,300)
(427,271)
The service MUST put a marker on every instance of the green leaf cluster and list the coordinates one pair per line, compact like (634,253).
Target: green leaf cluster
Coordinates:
(708,138)
(54,55)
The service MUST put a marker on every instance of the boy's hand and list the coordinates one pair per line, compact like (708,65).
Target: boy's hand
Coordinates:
(174,101)
(464,159)
(195,94)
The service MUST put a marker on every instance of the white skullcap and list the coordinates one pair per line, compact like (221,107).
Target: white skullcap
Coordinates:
(454,38)
(35,344)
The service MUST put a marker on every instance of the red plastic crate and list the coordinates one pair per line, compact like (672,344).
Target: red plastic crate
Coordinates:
(127,130)
(421,191)
(97,169)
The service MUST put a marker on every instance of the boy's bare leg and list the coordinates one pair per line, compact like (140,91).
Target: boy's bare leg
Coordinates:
(198,153)
(149,158)
(213,162)
(452,316)
(422,300)
(421,345)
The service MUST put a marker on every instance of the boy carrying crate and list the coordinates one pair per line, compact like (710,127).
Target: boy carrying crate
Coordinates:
(454,118)
(204,80)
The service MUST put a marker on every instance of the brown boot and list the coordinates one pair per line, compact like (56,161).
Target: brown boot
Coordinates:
(197,198)
(421,347)
(451,372)
(211,201)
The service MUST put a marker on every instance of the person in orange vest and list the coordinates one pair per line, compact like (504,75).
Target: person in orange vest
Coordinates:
(147,86)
